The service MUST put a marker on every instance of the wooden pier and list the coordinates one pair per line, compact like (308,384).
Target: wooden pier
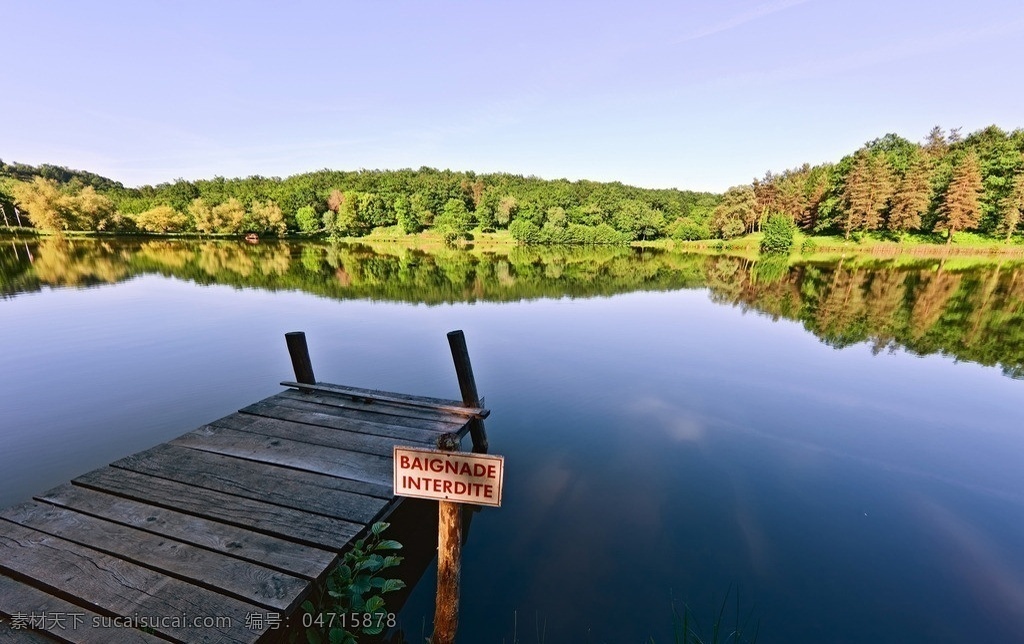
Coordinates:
(217,534)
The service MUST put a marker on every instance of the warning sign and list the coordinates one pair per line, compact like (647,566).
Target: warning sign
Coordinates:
(449,476)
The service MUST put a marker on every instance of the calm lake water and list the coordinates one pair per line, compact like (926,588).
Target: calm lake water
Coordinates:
(841,442)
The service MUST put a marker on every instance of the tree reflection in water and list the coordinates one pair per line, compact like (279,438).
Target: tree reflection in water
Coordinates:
(970,310)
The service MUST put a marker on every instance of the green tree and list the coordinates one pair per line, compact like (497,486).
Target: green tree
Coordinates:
(454,218)
(486,211)
(408,220)
(525,231)
(307,220)
(961,206)
(350,221)
(556,217)
(730,217)
(778,230)
(419,208)
(687,229)
(766,199)
(639,220)
(1012,208)
(999,162)
(374,210)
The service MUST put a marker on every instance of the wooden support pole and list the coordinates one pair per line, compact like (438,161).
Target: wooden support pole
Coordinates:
(449,559)
(467,385)
(300,357)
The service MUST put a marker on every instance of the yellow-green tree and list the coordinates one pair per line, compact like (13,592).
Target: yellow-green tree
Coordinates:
(265,217)
(93,210)
(46,205)
(161,219)
(202,216)
(228,216)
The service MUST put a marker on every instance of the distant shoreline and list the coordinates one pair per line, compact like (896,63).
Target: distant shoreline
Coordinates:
(818,247)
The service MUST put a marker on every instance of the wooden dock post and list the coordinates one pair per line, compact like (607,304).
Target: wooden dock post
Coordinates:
(467,385)
(300,357)
(449,558)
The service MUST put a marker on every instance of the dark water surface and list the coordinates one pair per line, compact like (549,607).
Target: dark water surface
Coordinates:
(842,442)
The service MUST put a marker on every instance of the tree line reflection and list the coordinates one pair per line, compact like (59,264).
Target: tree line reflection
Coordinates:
(968,309)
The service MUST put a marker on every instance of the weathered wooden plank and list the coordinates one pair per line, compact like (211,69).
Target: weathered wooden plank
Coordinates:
(280,451)
(66,621)
(402,414)
(440,423)
(317,435)
(321,416)
(319,493)
(123,588)
(245,580)
(280,554)
(451,406)
(21,636)
(312,529)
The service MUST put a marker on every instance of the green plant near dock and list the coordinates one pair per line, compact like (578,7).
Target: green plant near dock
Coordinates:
(352,596)
(687,630)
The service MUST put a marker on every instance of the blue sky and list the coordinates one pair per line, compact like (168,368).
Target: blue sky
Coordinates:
(695,95)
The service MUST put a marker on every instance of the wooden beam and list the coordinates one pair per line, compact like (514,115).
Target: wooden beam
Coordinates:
(450,406)
(299,353)
(467,385)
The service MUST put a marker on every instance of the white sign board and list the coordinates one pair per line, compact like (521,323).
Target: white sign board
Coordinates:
(449,476)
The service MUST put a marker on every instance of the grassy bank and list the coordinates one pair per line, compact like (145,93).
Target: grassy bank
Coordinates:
(833,247)
(805,247)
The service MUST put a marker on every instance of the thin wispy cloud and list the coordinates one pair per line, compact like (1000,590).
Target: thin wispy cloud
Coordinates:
(758,12)
(909,48)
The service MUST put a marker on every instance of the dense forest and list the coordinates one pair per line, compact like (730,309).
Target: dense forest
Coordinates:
(891,186)
(972,311)
(346,204)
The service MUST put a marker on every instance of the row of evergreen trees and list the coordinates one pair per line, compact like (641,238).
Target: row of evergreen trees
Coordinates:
(947,184)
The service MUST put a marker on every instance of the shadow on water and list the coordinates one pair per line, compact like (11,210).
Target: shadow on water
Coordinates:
(972,311)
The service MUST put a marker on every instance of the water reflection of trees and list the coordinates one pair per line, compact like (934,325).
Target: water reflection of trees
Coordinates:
(972,313)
